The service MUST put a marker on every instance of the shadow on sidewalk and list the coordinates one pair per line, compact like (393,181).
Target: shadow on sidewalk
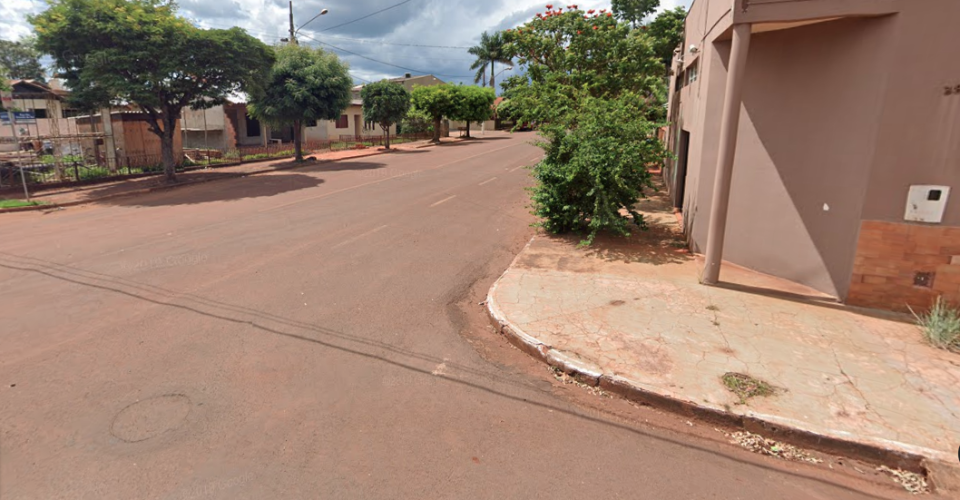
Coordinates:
(243,187)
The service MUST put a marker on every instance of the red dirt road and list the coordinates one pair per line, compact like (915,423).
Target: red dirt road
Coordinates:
(300,335)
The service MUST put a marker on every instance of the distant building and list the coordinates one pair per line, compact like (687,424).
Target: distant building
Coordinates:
(224,127)
(41,112)
(351,122)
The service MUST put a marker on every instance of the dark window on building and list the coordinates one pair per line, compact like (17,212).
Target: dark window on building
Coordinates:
(310,123)
(343,122)
(253,127)
(40,113)
(70,113)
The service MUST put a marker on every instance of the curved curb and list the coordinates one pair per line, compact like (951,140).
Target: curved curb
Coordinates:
(905,457)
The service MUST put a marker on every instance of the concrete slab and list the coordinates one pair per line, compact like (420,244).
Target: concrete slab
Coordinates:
(633,312)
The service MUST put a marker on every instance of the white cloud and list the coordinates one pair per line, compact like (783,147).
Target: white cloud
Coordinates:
(422,22)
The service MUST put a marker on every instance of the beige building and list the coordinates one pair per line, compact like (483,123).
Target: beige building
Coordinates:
(223,127)
(42,109)
(351,122)
(819,141)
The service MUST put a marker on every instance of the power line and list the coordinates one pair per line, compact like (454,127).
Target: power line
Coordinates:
(401,44)
(368,15)
(360,40)
(382,62)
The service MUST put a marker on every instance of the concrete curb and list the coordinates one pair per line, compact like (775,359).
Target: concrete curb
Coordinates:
(225,176)
(946,477)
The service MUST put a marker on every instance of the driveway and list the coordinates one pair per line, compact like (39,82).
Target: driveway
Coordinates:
(308,334)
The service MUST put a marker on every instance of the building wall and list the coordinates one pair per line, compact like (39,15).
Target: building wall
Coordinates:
(918,143)
(200,119)
(839,118)
(811,104)
(919,138)
(327,129)
(137,145)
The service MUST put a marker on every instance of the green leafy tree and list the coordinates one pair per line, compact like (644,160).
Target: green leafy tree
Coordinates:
(593,87)
(4,86)
(417,122)
(303,84)
(385,103)
(667,33)
(634,11)
(436,102)
(21,59)
(488,52)
(140,52)
(472,104)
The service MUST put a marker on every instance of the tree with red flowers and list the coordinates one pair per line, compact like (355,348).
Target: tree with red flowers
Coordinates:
(594,87)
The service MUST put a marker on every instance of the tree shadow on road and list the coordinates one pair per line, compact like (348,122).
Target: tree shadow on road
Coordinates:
(233,187)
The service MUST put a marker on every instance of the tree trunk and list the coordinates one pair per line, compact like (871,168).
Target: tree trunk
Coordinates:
(166,153)
(436,129)
(298,140)
(493,78)
(468,129)
(386,131)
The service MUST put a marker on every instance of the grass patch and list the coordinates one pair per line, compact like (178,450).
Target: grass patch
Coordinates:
(18,203)
(745,386)
(940,325)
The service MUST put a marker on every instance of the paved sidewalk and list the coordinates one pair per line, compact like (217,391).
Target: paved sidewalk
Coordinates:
(74,195)
(632,317)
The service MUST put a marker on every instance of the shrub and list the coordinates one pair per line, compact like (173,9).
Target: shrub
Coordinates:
(593,172)
(940,325)
(595,91)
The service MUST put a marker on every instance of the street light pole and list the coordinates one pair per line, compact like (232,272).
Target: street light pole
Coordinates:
(293,30)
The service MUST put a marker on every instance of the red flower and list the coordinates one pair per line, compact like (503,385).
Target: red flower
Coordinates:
(591,11)
(549,5)
(609,14)
(603,10)
(596,28)
(579,32)
(574,6)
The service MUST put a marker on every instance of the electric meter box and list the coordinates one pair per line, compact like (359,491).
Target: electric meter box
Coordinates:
(926,203)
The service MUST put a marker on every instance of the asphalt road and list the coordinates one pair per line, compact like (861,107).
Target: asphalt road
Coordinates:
(303,335)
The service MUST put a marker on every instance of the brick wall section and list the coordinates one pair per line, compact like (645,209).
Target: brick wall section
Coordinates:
(889,254)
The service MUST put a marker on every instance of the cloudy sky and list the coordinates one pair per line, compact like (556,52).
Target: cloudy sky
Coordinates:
(417,36)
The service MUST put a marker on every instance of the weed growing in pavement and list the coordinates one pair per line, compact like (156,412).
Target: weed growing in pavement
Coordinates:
(911,481)
(759,444)
(940,325)
(746,387)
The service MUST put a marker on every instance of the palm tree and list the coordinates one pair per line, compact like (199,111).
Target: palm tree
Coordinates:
(488,52)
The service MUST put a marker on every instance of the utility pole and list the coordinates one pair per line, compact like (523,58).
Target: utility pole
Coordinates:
(293,29)
(293,33)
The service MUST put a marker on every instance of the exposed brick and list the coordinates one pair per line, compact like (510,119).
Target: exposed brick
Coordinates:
(889,254)
(927,260)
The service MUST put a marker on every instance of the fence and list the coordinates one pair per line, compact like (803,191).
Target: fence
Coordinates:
(46,171)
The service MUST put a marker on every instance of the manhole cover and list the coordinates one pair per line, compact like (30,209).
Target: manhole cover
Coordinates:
(151,417)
